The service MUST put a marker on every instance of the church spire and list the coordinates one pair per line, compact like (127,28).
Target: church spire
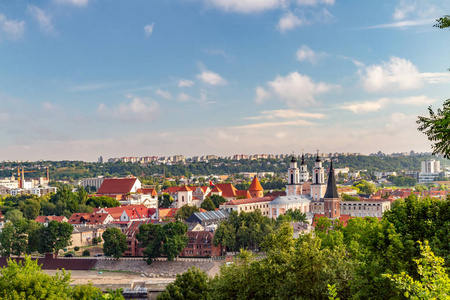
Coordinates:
(331,192)
(303,159)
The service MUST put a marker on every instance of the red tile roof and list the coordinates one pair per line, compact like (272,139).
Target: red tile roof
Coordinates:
(87,218)
(147,192)
(240,193)
(275,194)
(248,201)
(255,186)
(43,219)
(216,190)
(228,189)
(172,189)
(184,189)
(138,211)
(119,186)
(167,213)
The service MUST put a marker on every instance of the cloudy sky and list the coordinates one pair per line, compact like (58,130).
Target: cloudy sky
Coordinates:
(84,78)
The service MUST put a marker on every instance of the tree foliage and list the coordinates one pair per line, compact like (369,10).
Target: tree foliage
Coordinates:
(168,240)
(186,211)
(25,280)
(55,236)
(443,22)
(191,285)
(437,128)
(115,242)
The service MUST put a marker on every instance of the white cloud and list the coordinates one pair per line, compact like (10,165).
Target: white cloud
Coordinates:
(275,124)
(372,106)
(185,83)
(261,94)
(286,114)
(403,24)
(135,110)
(211,78)
(12,29)
(306,53)
(245,6)
(73,2)
(148,29)
(365,107)
(396,74)
(297,89)
(42,18)
(89,87)
(289,21)
(164,94)
(182,97)
(48,106)
(314,2)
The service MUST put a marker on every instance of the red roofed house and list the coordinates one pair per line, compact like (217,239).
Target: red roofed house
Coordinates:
(129,213)
(119,188)
(146,197)
(46,219)
(84,219)
(248,205)
(167,214)
(230,192)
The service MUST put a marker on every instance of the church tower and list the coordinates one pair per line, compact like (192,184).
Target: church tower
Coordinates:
(294,186)
(304,175)
(318,180)
(332,202)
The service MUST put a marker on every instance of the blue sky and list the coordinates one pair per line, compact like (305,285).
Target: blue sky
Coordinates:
(84,78)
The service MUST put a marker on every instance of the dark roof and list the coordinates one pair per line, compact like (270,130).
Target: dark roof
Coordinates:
(215,215)
(303,160)
(318,157)
(331,192)
(293,158)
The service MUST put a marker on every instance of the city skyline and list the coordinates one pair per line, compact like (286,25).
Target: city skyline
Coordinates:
(84,78)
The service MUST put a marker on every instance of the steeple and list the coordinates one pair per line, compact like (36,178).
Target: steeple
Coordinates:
(303,159)
(331,192)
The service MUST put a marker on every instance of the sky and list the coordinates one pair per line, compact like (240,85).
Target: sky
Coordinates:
(81,79)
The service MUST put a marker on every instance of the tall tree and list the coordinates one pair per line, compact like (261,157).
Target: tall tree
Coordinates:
(115,242)
(437,128)
(191,285)
(54,237)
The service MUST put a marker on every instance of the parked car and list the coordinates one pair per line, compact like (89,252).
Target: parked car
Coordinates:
(98,255)
(68,255)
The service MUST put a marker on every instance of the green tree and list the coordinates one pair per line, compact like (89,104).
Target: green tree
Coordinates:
(225,235)
(443,22)
(150,237)
(365,187)
(434,282)
(14,215)
(186,211)
(208,204)
(218,200)
(191,285)
(165,201)
(115,242)
(437,128)
(54,237)
(25,280)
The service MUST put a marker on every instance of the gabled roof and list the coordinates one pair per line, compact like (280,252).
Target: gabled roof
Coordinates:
(167,212)
(215,215)
(228,189)
(172,189)
(240,193)
(117,186)
(331,192)
(275,194)
(255,186)
(43,219)
(140,211)
(147,192)
(216,190)
(185,189)
(87,218)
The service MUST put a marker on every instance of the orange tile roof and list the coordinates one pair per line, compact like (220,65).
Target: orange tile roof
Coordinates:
(147,192)
(216,190)
(172,189)
(240,193)
(184,189)
(255,186)
(167,212)
(42,219)
(116,186)
(228,189)
(248,201)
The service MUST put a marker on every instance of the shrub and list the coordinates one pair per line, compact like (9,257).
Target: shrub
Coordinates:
(76,248)
(86,253)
